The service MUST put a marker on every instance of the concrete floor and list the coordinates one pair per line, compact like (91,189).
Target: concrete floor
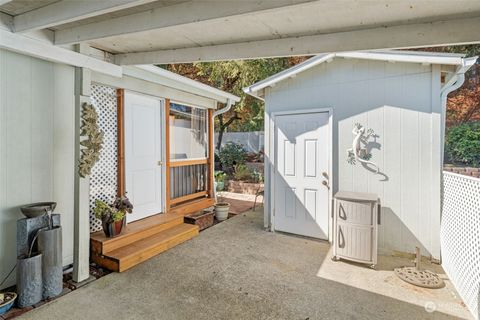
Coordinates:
(236,270)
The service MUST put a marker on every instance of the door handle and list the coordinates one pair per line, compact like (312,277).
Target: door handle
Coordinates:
(325,175)
(325,183)
(160,163)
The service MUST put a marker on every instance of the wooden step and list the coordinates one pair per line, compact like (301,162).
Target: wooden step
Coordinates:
(124,258)
(135,231)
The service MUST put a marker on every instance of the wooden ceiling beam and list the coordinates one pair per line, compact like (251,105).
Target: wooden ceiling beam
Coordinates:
(67,11)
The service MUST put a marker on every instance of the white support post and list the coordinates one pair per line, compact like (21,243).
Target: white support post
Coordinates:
(81,255)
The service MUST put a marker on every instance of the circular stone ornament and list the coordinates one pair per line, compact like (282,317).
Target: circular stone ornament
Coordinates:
(420,278)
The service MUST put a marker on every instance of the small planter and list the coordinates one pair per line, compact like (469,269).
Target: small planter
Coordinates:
(221,211)
(6,301)
(114,229)
(202,219)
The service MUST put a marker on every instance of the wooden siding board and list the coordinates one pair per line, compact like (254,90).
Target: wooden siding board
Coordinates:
(36,145)
(437,142)
(64,155)
(41,111)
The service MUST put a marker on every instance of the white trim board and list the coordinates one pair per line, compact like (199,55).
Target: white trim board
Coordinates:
(173,80)
(380,55)
(153,89)
(39,49)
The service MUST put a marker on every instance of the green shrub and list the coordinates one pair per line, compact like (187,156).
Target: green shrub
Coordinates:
(462,144)
(230,155)
(257,176)
(242,172)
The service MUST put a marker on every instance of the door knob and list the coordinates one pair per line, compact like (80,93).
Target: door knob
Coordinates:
(325,183)
(325,175)
(160,163)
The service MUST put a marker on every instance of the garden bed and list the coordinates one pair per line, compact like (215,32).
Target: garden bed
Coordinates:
(202,219)
(244,187)
(467,171)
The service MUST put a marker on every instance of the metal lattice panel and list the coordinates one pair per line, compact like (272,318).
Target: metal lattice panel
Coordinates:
(460,236)
(103,179)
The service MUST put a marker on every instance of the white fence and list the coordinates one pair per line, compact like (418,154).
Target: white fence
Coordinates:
(460,236)
(251,141)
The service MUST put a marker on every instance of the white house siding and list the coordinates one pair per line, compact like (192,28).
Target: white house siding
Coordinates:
(36,146)
(401,103)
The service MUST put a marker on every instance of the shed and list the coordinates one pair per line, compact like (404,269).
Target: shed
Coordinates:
(313,112)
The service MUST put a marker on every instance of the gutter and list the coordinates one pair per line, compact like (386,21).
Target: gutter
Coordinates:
(455,82)
(223,110)
(216,113)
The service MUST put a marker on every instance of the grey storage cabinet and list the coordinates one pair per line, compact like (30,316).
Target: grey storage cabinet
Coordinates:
(355,223)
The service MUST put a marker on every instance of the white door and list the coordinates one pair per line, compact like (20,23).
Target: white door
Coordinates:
(143,155)
(302,164)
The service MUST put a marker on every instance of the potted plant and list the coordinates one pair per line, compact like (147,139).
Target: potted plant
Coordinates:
(220,180)
(113,216)
(221,209)
(6,301)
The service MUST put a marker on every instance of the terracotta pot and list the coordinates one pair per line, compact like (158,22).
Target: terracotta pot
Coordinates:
(114,229)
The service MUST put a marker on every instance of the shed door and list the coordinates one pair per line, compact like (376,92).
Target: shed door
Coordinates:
(143,155)
(302,164)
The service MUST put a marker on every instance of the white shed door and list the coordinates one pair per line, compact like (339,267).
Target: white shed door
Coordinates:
(143,153)
(302,164)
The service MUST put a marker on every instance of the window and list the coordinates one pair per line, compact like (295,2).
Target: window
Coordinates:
(188,132)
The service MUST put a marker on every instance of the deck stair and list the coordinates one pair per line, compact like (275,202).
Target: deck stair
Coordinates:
(142,240)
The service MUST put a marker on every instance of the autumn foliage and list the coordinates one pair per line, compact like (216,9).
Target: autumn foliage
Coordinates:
(463,105)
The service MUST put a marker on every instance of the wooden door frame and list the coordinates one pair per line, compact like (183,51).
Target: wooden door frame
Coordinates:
(167,155)
(121,142)
(273,152)
(209,161)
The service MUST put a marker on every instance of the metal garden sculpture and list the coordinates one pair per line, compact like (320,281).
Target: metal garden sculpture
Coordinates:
(357,153)
(93,144)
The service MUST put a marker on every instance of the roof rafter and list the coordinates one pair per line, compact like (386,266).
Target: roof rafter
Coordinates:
(459,31)
(66,11)
(163,17)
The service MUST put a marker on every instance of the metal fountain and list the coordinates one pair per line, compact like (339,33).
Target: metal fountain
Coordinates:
(39,254)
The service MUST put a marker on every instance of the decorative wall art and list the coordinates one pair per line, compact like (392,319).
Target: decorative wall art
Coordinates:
(93,144)
(357,152)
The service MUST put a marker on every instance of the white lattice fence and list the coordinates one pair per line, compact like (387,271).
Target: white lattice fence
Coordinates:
(460,236)
(103,179)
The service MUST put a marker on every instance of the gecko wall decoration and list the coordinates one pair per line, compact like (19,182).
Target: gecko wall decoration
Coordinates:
(357,153)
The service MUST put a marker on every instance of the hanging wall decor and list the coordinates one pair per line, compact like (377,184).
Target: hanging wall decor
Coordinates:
(357,152)
(93,142)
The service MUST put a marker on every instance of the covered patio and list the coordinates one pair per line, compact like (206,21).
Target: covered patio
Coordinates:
(236,270)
